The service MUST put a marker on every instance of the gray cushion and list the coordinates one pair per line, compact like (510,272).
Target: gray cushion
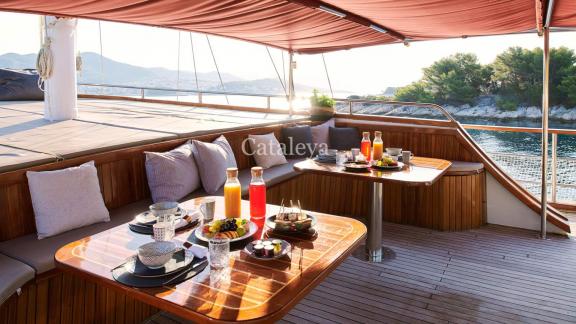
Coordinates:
(298,142)
(173,174)
(13,275)
(344,138)
(464,168)
(39,254)
(212,160)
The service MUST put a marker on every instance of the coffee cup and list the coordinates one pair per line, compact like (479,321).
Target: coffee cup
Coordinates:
(406,156)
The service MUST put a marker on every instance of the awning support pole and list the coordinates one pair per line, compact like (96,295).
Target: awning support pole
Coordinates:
(545,89)
(290,81)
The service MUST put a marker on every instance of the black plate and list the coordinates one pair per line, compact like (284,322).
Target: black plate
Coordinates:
(121,275)
(178,262)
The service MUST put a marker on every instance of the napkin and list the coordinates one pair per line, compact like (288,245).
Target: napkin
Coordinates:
(198,251)
(192,216)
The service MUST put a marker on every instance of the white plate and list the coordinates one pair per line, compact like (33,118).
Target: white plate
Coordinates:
(253,228)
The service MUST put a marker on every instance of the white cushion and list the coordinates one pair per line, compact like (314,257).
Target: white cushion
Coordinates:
(212,160)
(66,199)
(320,134)
(173,174)
(266,150)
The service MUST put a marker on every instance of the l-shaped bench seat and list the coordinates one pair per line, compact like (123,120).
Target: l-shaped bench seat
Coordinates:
(38,255)
(13,275)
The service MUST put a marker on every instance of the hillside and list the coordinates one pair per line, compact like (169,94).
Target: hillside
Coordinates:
(115,72)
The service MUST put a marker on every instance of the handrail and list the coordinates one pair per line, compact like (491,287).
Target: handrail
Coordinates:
(182,90)
(398,103)
(513,129)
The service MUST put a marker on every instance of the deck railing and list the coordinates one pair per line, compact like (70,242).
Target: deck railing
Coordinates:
(200,96)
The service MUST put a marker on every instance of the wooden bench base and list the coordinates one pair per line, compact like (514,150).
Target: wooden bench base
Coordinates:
(59,297)
(453,203)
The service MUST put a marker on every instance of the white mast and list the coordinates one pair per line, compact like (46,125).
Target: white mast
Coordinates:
(60,94)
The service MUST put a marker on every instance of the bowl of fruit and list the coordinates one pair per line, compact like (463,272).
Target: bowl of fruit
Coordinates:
(234,229)
(387,163)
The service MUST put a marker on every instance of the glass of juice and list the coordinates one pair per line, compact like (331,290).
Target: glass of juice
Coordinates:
(365,145)
(377,146)
(257,192)
(232,194)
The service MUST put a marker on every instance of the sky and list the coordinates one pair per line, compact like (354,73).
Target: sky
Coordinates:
(367,70)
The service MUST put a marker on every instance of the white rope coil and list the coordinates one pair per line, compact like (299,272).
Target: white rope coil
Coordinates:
(44,63)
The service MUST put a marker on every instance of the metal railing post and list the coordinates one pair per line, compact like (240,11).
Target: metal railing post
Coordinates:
(142,93)
(554,167)
(350,107)
(199,97)
(545,89)
(268,103)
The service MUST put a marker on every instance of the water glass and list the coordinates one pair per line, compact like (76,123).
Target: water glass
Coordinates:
(165,228)
(341,158)
(219,253)
(355,153)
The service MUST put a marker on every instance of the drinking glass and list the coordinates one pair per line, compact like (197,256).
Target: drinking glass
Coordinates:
(341,158)
(165,228)
(219,253)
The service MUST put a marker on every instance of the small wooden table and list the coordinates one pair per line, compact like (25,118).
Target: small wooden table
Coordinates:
(421,171)
(258,291)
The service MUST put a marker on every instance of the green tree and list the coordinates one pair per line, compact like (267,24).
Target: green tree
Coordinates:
(457,79)
(518,76)
(414,92)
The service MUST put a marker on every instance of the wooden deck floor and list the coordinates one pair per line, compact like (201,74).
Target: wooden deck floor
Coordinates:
(491,275)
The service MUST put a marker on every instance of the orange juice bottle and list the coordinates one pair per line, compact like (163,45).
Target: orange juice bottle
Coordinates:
(377,146)
(232,194)
(365,145)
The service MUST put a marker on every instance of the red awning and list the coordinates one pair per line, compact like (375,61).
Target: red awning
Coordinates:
(301,26)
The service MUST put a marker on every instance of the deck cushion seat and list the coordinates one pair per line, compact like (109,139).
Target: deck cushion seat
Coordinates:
(464,168)
(39,254)
(13,275)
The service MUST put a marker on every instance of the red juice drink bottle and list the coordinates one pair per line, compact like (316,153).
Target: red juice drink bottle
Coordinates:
(365,145)
(257,191)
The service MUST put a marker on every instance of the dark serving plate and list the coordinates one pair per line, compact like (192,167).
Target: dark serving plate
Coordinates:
(178,262)
(270,223)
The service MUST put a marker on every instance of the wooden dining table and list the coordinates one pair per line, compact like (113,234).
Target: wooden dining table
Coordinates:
(421,171)
(256,291)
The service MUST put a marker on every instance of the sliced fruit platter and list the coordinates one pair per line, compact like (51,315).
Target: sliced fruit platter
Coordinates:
(387,163)
(234,229)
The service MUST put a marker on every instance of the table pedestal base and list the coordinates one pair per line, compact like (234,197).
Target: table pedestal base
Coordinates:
(373,249)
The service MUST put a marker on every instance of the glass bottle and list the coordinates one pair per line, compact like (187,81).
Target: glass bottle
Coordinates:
(232,194)
(365,145)
(377,146)
(257,196)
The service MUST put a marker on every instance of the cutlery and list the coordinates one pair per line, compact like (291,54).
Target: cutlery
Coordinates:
(185,272)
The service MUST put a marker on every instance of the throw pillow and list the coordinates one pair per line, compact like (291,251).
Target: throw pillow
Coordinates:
(344,138)
(66,199)
(266,150)
(297,141)
(173,174)
(212,160)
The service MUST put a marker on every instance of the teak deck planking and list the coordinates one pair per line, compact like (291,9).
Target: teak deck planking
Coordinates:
(259,291)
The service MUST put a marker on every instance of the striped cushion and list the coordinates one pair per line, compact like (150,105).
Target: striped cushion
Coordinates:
(173,174)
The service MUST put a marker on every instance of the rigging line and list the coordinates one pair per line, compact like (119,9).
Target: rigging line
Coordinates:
(327,75)
(217,70)
(178,68)
(283,67)
(194,63)
(101,56)
(275,69)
